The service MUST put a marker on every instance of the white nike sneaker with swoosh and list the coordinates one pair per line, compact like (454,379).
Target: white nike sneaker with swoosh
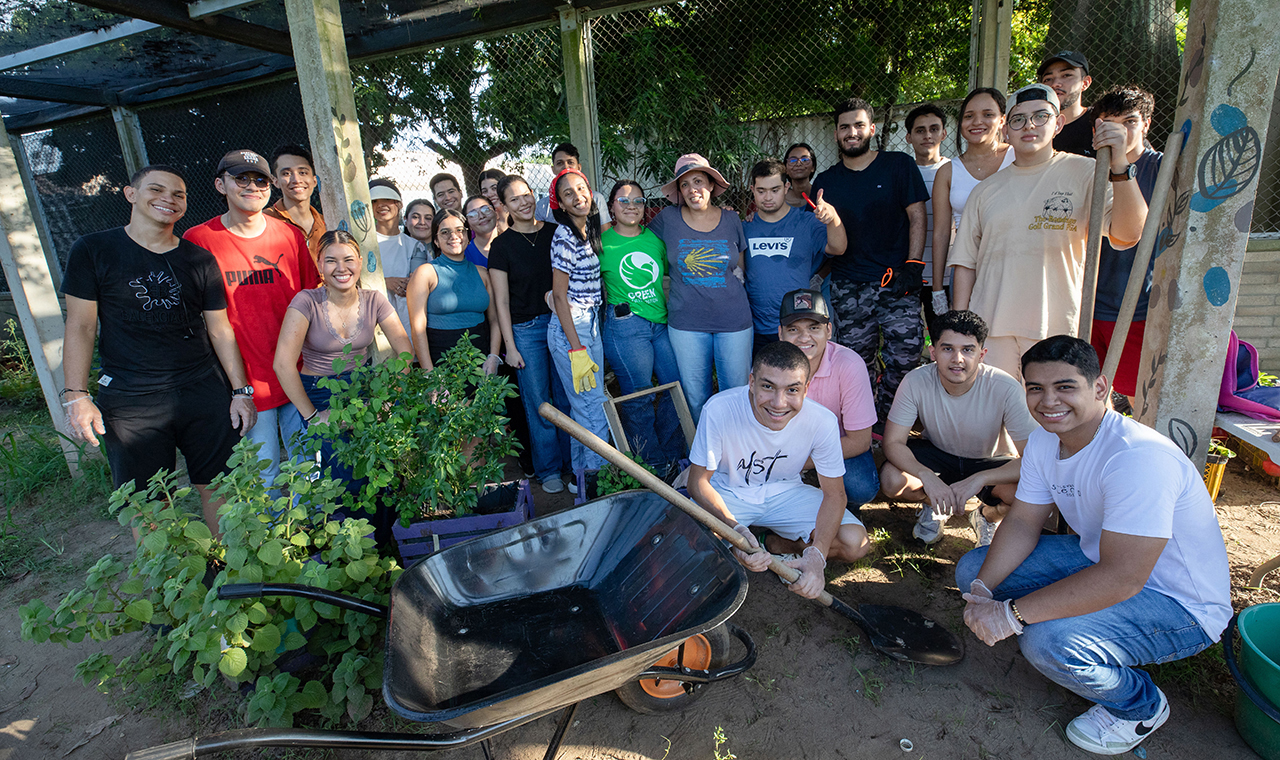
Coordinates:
(1100,732)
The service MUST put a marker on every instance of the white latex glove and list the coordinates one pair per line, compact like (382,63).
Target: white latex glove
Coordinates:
(940,305)
(978,588)
(810,564)
(990,620)
(756,562)
(815,282)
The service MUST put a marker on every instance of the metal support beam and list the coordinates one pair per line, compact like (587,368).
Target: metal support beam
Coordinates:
(34,89)
(995,40)
(580,89)
(174,14)
(129,133)
(204,8)
(1228,84)
(324,79)
(34,296)
(75,44)
(37,209)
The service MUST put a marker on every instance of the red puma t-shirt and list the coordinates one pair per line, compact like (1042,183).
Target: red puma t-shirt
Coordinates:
(261,275)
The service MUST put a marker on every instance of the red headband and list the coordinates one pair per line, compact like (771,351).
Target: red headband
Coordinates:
(555,202)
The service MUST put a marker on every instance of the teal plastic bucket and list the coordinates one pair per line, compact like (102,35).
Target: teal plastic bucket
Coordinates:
(1258,676)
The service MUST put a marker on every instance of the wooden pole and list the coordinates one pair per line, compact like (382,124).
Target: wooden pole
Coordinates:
(1224,109)
(1093,248)
(580,89)
(129,132)
(324,79)
(37,209)
(34,296)
(1142,257)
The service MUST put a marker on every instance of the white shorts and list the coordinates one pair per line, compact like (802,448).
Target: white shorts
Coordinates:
(792,514)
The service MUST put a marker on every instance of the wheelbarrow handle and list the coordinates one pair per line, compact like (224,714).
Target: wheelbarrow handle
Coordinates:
(314,593)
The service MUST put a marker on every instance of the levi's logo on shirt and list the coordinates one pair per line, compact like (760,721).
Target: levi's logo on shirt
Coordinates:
(759,465)
(771,246)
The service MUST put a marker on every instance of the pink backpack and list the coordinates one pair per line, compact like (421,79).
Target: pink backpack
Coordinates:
(1240,391)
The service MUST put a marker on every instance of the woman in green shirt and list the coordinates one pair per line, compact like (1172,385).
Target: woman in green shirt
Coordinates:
(632,266)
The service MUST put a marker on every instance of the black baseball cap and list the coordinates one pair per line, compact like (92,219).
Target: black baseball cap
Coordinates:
(804,304)
(241,161)
(1069,57)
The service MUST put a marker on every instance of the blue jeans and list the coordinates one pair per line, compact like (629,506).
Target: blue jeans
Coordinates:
(698,352)
(1092,655)
(638,349)
(539,382)
(272,425)
(587,408)
(861,481)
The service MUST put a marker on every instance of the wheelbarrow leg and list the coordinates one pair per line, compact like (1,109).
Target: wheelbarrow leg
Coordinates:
(486,749)
(557,738)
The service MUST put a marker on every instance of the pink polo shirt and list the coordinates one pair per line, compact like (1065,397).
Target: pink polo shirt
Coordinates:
(841,385)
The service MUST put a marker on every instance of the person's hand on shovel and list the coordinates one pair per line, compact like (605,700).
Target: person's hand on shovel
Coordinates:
(756,562)
(812,580)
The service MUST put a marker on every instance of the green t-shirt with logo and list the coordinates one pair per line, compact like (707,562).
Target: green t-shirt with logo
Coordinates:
(633,268)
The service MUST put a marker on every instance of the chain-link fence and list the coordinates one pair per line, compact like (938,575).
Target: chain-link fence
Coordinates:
(734,80)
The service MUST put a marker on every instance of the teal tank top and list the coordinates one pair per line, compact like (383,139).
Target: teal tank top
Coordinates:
(459,298)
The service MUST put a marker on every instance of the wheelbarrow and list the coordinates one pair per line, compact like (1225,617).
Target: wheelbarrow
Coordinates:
(507,628)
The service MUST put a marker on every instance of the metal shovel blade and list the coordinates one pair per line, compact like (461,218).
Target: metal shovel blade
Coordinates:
(903,634)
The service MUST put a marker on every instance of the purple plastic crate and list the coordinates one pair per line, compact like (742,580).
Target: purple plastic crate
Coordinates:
(430,536)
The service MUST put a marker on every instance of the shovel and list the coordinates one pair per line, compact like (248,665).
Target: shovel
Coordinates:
(902,634)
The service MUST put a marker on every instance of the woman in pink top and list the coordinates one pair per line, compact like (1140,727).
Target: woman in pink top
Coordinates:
(321,323)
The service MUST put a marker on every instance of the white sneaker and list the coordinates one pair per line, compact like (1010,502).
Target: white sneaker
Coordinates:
(984,529)
(1102,733)
(928,527)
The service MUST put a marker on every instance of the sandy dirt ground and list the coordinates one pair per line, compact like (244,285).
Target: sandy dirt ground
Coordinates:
(816,691)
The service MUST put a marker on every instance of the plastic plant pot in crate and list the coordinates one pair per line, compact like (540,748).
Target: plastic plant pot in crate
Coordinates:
(502,505)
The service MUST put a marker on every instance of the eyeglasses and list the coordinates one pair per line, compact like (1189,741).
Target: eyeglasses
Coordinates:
(625,201)
(799,160)
(257,180)
(1038,119)
(476,213)
(449,234)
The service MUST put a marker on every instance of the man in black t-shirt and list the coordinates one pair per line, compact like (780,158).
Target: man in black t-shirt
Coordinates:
(875,285)
(1068,74)
(163,312)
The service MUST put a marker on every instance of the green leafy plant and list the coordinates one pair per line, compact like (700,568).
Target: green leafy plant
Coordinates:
(18,382)
(1217,447)
(427,441)
(1267,380)
(167,586)
(613,479)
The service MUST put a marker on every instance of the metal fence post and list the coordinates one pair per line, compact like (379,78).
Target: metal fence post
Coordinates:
(132,147)
(580,89)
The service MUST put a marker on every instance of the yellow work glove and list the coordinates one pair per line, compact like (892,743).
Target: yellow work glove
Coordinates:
(584,370)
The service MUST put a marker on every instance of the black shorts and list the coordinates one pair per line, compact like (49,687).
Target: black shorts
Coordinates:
(953,469)
(144,432)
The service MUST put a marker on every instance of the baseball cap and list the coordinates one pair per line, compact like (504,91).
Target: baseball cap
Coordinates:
(1069,57)
(804,304)
(241,161)
(1034,92)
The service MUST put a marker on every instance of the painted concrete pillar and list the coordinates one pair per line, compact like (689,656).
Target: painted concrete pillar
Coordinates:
(1224,105)
(995,41)
(34,295)
(580,89)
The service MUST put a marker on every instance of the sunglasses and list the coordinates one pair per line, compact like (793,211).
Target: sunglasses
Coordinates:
(257,180)
(625,201)
(1037,119)
(800,160)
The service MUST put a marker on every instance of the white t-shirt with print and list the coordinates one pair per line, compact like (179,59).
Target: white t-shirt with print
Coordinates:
(1130,479)
(753,462)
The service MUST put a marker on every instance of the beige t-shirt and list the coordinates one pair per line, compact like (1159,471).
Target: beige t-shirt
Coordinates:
(972,425)
(1024,231)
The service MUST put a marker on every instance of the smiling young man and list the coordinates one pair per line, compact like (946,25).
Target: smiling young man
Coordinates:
(926,129)
(875,286)
(296,179)
(1068,74)
(265,263)
(163,314)
(968,412)
(753,441)
(446,191)
(1144,581)
(400,254)
(837,380)
(566,156)
(785,247)
(1019,253)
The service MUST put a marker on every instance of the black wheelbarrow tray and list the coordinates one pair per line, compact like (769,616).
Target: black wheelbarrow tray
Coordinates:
(501,630)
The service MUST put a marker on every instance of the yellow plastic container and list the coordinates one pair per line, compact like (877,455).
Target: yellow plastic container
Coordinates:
(1214,468)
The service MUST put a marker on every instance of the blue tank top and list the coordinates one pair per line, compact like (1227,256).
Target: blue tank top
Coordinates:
(459,298)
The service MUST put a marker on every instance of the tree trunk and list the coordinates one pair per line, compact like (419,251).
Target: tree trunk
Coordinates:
(1126,42)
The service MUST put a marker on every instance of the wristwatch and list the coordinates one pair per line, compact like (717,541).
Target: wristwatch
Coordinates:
(246,391)
(1129,173)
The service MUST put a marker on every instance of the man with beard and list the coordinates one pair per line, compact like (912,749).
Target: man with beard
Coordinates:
(1068,74)
(875,286)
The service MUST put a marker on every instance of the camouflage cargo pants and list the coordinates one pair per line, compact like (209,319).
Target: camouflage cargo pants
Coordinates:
(885,329)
